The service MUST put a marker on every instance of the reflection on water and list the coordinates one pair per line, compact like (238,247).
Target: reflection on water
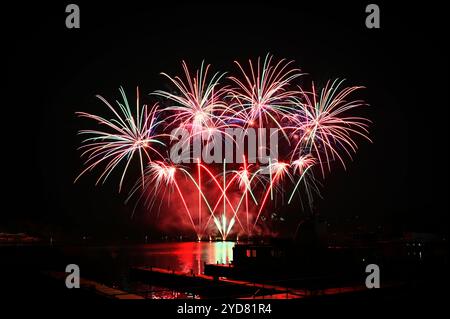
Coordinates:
(111,264)
(187,257)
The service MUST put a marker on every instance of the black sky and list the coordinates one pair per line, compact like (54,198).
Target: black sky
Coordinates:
(399,182)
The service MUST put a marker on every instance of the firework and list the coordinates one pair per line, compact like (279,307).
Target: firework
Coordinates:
(124,136)
(302,166)
(323,125)
(198,105)
(159,177)
(278,172)
(303,163)
(319,126)
(264,95)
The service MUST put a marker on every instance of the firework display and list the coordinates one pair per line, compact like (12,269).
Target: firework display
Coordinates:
(317,127)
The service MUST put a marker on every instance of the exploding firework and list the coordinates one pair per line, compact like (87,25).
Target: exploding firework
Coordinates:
(198,105)
(124,136)
(318,125)
(263,95)
(302,166)
(323,126)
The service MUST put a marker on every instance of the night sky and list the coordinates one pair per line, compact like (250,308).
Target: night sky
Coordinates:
(400,182)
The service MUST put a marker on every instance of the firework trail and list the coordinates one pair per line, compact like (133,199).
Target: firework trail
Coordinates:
(160,176)
(278,172)
(302,165)
(157,180)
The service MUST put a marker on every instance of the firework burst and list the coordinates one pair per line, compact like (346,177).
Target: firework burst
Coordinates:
(264,94)
(126,135)
(319,126)
(322,124)
(198,104)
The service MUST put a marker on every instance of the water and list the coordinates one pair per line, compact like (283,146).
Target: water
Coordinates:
(111,264)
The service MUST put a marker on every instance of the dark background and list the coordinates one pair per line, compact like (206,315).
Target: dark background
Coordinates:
(399,183)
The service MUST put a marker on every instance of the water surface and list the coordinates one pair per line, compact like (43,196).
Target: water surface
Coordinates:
(111,264)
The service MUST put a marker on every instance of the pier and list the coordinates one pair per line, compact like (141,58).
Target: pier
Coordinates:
(217,287)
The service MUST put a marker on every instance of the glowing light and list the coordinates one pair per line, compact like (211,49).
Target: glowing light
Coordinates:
(318,125)
(125,136)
